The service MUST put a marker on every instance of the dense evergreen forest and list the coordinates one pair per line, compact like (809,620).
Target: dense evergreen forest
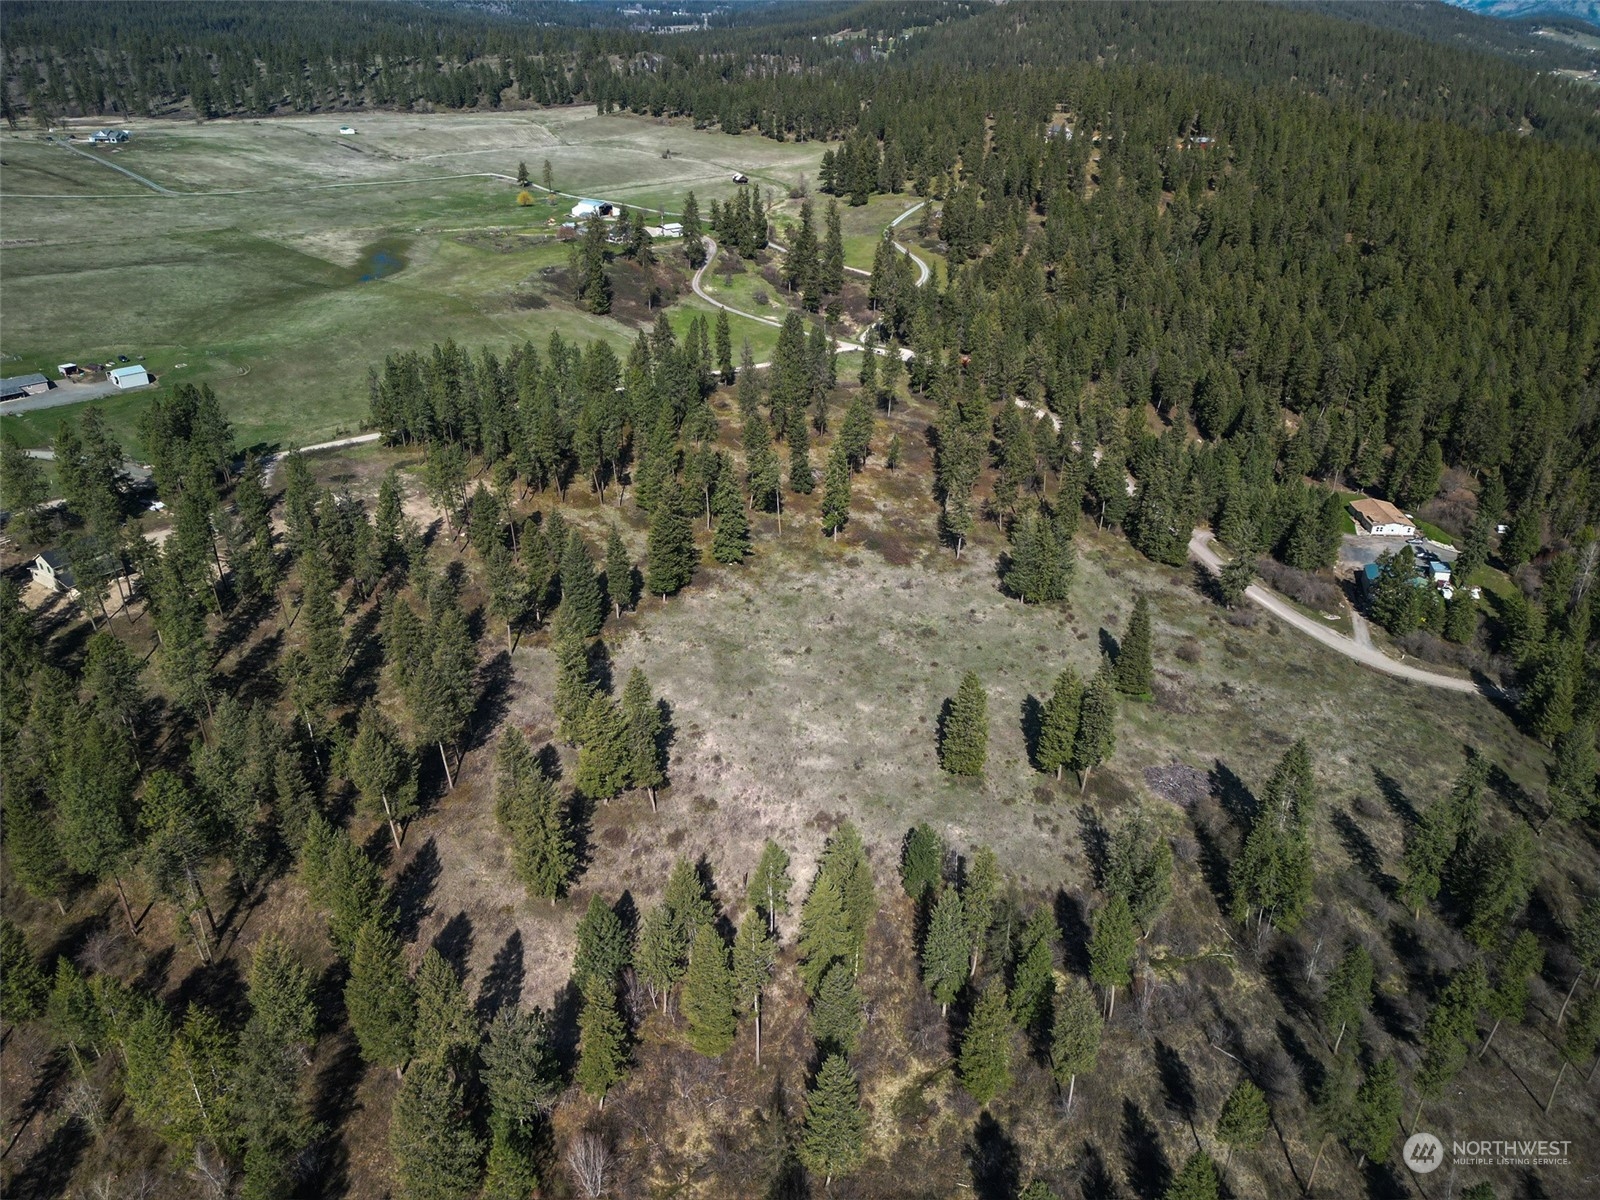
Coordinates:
(108,58)
(1198,269)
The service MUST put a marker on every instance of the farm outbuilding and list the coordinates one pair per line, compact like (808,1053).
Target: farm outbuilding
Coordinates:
(50,571)
(23,385)
(584,209)
(1382,519)
(130,377)
(740,177)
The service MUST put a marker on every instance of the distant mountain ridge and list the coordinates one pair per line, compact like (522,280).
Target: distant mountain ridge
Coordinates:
(1587,11)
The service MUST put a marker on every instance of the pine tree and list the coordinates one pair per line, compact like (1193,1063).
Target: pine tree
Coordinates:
(844,860)
(1139,868)
(642,736)
(437,1156)
(856,433)
(602,950)
(521,1071)
(1572,774)
(573,688)
(282,990)
(1508,999)
(1375,1117)
(446,1030)
(201,1100)
(761,465)
(731,541)
(619,573)
(833,1139)
(23,990)
(1244,1120)
(670,552)
(582,605)
(802,480)
(964,732)
(755,953)
(921,861)
(984,1066)
(1348,995)
(602,1046)
(945,950)
(1195,1180)
(383,771)
(836,490)
(1096,735)
(1074,1035)
(708,1003)
(824,935)
(603,759)
(1033,981)
(768,891)
(1133,674)
(836,1011)
(512,1171)
(1111,949)
(379,998)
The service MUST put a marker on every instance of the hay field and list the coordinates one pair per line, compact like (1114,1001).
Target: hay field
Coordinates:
(247,271)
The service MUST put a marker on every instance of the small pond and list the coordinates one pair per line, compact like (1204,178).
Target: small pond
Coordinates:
(381,260)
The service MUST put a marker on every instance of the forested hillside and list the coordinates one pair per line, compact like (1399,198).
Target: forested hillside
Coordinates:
(633,770)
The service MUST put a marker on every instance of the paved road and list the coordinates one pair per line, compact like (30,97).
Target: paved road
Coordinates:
(1367,655)
(66,393)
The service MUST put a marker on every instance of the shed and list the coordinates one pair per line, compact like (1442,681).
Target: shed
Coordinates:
(50,571)
(672,229)
(23,385)
(740,177)
(1381,518)
(346,130)
(584,209)
(68,370)
(130,377)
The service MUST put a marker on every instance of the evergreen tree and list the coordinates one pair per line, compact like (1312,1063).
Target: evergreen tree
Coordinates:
(1572,774)
(964,731)
(589,268)
(670,552)
(1246,1116)
(1375,1117)
(1111,949)
(642,728)
(1033,981)
(761,465)
(731,542)
(603,759)
(1074,1035)
(534,820)
(945,949)
(708,1001)
(921,861)
(824,934)
(1195,1180)
(573,688)
(521,1071)
(437,1156)
(1508,999)
(768,891)
(602,1046)
(282,990)
(984,1066)
(23,990)
(1096,734)
(582,605)
(836,1011)
(1133,674)
(836,490)
(833,1139)
(619,573)
(379,998)
(1348,996)
(602,950)
(755,953)
(1139,868)
(724,347)
(446,1030)
(382,770)
(855,436)
(201,1099)
(1058,723)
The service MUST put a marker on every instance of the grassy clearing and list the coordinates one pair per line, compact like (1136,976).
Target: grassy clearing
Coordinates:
(253,281)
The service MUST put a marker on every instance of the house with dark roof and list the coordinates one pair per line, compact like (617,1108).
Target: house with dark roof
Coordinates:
(18,386)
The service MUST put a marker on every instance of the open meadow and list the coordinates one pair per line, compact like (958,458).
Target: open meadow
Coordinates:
(277,260)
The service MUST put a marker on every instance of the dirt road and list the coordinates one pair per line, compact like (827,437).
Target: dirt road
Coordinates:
(1368,655)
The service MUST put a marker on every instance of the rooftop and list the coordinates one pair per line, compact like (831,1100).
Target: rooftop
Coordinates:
(1378,512)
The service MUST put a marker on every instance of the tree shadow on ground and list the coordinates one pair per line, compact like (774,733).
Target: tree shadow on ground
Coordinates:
(1032,727)
(412,887)
(49,1169)
(1237,800)
(1214,865)
(1149,1172)
(1073,923)
(1177,1082)
(494,700)
(1306,1064)
(335,1090)
(502,982)
(994,1160)
(1096,842)
(1395,797)
(454,943)
(1363,853)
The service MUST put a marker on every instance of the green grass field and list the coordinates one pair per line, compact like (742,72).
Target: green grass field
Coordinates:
(250,276)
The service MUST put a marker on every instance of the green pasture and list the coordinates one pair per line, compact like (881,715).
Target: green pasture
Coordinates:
(251,276)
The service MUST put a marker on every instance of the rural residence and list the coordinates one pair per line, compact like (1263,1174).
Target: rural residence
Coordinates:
(1381,518)
(23,385)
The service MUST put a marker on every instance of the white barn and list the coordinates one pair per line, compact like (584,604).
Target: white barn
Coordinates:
(130,377)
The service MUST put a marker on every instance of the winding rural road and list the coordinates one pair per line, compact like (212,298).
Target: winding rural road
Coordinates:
(1366,654)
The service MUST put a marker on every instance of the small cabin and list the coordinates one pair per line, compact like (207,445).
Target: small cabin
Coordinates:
(50,571)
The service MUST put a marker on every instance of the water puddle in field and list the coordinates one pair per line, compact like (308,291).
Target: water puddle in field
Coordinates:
(381,260)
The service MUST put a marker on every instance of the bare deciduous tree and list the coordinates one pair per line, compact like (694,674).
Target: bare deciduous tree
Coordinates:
(590,1164)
